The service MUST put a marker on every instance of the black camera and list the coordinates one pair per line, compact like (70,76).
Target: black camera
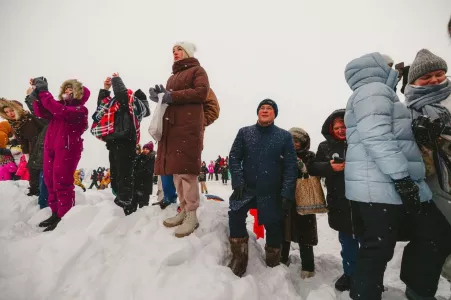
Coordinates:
(427,131)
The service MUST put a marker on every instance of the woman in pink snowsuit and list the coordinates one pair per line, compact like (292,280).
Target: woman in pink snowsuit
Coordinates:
(63,143)
(211,170)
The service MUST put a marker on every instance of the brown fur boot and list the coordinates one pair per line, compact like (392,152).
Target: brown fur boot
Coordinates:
(240,255)
(272,256)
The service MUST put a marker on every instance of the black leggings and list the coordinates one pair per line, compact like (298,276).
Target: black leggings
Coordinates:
(306,253)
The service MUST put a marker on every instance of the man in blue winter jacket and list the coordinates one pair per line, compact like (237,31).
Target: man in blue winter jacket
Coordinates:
(263,166)
(384,175)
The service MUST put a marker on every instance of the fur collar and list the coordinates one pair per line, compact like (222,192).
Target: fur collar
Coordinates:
(77,88)
(14,105)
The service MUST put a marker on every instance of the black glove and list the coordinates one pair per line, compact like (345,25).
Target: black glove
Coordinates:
(409,193)
(287,204)
(41,85)
(237,194)
(140,95)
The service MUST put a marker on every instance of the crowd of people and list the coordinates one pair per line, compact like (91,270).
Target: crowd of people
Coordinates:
(386,165)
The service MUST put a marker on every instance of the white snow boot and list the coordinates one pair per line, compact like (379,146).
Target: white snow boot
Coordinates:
(189,225)
(175,221)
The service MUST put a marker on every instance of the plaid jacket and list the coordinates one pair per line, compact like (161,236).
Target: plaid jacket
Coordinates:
(103,117)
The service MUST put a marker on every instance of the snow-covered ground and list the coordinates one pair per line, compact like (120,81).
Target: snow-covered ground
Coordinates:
(97,253)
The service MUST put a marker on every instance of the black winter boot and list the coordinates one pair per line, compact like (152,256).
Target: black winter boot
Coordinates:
(33,193)
(240,255)
(272,256)
(47,222)
(343,283)
(412,295)
(53,226)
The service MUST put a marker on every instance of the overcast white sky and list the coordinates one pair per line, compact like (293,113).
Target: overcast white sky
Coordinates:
(293,51)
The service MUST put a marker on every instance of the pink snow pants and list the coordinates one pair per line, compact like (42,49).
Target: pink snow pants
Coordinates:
(187,190)
(59,169)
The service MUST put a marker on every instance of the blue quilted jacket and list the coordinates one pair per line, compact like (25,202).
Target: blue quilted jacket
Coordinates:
(381,145)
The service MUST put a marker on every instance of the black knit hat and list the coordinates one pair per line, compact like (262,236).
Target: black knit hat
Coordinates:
(269,102)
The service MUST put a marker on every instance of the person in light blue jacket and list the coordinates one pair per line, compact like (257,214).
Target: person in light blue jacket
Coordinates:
(384,174)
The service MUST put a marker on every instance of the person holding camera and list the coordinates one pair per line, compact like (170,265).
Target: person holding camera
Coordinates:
(428,96)
(344,215)
(124,113)
(63,142)
(385,175)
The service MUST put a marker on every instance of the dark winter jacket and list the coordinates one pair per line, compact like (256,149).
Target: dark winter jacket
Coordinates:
(301,229)
(344,215)
(27,128)
(124,124)
(203,174)
(37,156)
(143,172)
(36,161)
(94,176)
(263,160)
(225,172)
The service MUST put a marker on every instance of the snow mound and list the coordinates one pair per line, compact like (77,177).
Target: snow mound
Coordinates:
(97,253)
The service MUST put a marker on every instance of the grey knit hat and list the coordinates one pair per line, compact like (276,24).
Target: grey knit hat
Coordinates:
(425,62)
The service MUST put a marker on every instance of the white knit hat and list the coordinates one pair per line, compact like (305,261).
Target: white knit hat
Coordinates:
(189,48)
(388,59)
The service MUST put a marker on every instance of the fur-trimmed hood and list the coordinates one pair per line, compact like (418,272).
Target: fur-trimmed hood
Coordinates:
(77,88)
(15,105)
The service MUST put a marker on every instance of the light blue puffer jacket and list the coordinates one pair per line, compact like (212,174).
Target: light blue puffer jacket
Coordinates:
(381,146)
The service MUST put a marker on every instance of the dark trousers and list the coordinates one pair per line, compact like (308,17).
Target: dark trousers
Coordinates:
(349,252)
(121,158)
(237,226)
(430,243)
(210,176)
(216,176)
(141,198)
(34,181)
(306,253)
(43,193)
(94,183)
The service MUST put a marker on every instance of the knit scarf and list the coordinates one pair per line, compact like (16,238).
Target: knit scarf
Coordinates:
(425,100)
(17,124)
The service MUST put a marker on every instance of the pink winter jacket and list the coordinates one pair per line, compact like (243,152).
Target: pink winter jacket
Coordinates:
(22,170)
(68,120)
(211,168)
(7,171)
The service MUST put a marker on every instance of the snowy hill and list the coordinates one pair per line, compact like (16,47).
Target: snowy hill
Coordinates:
(97,253)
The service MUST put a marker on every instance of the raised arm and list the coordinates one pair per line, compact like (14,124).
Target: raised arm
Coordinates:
(40,111)
(60,111)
